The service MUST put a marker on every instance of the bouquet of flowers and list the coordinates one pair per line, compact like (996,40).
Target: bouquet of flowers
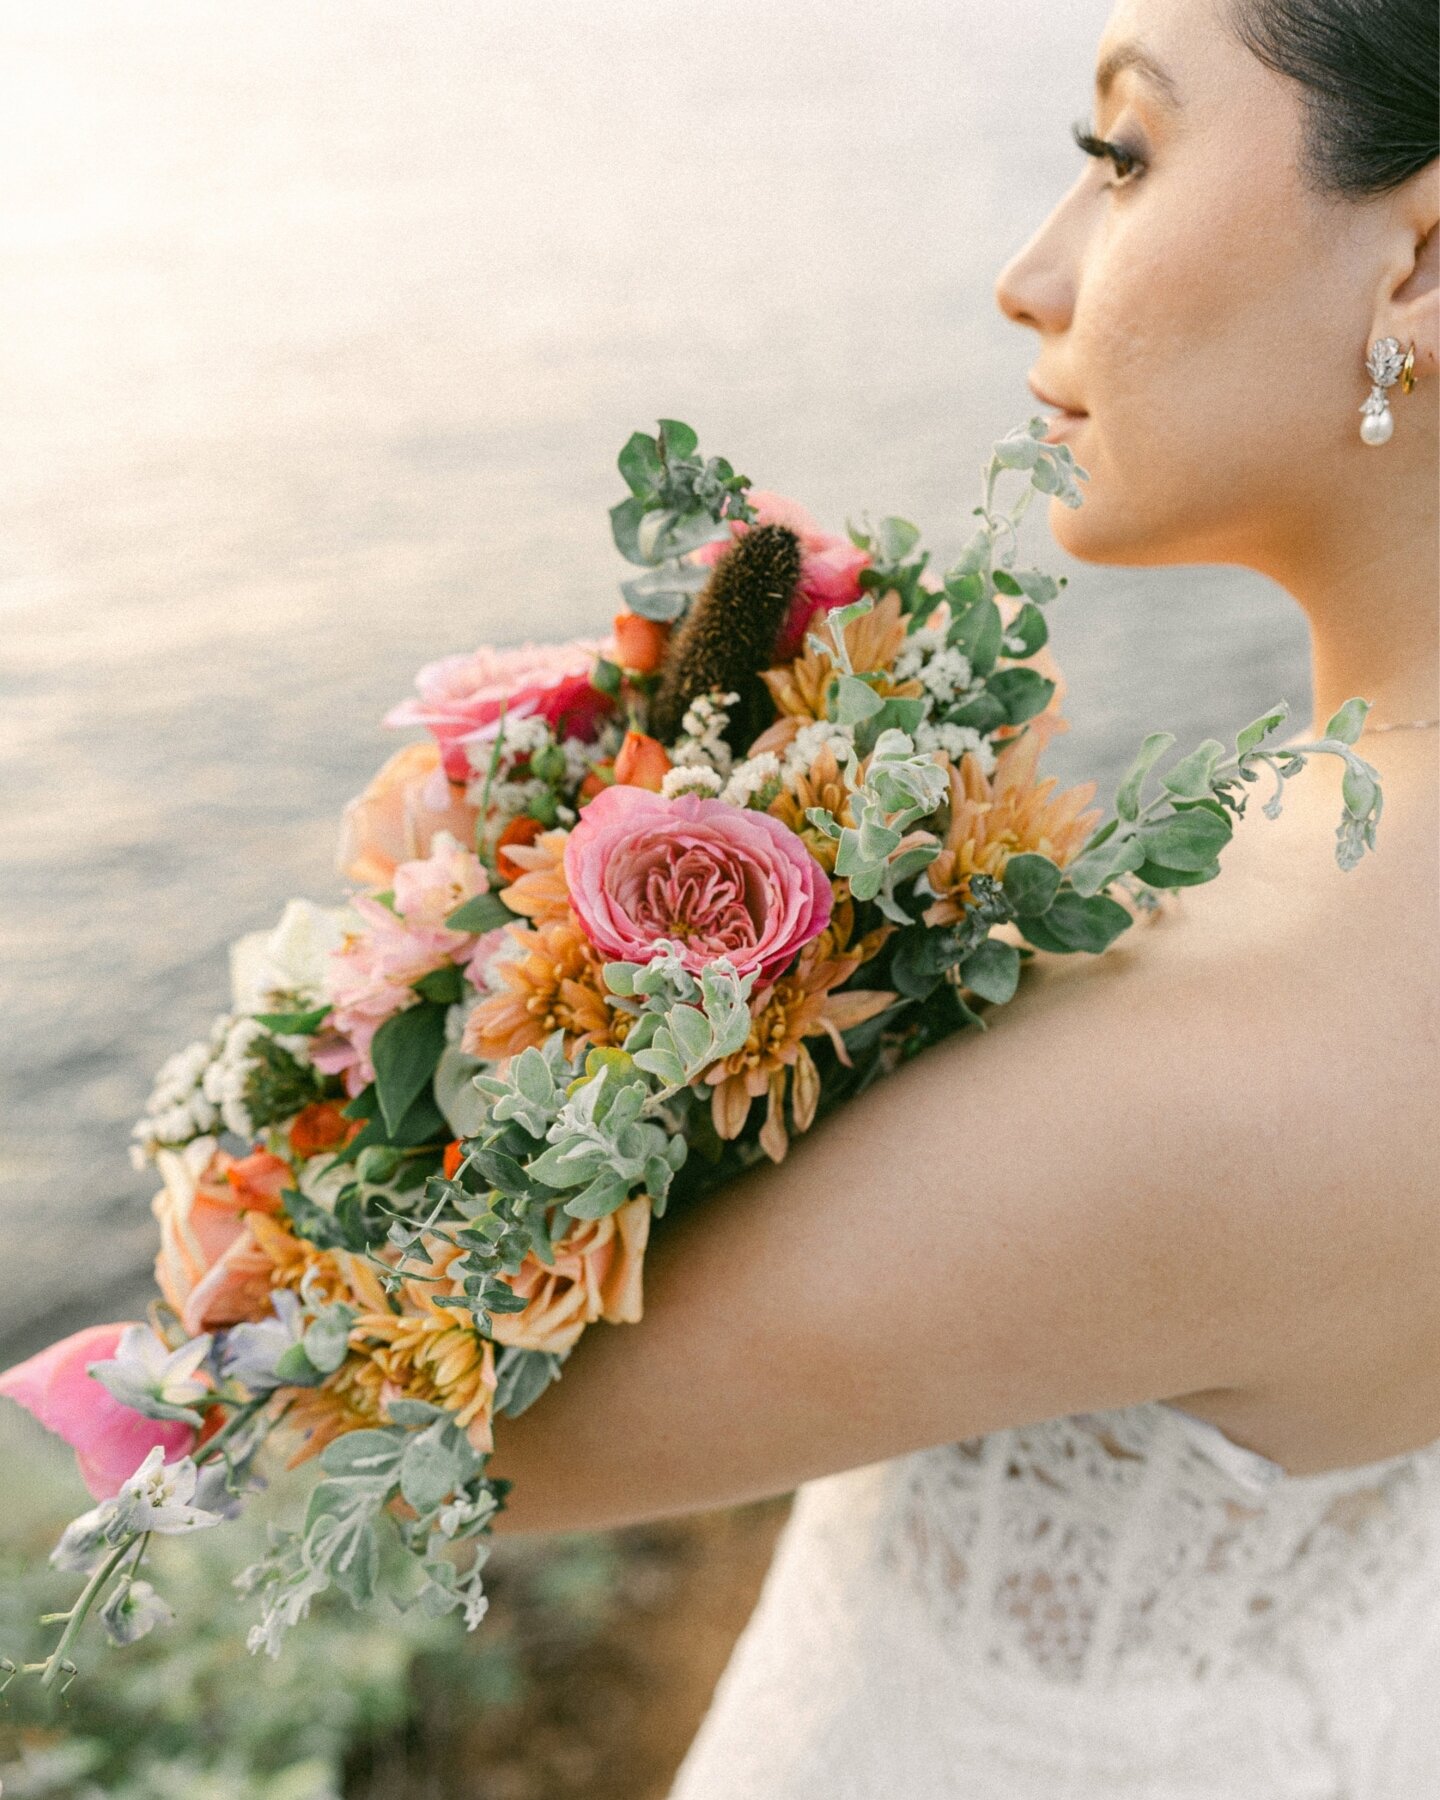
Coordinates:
(630,917)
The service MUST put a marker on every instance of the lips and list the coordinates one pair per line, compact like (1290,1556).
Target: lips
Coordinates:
(1067,416)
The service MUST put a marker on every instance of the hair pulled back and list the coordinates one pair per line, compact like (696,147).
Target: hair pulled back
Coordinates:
(1371,74)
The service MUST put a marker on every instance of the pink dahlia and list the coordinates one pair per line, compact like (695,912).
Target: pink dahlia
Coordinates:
(714,878)
(460,698)
(829,568)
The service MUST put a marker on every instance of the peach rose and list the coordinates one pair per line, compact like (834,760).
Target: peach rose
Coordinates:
(209,1267)
(596,1275)
(397,817)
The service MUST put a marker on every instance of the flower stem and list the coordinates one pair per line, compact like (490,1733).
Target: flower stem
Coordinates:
(75,1618)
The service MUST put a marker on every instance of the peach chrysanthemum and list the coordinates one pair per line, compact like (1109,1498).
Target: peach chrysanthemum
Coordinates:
(995,817)
(822,785)
(799,1005)
(541,893)
(405,1349)
(556,982)
(799,688)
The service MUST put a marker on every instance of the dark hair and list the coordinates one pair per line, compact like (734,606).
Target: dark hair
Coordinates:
(1371,74)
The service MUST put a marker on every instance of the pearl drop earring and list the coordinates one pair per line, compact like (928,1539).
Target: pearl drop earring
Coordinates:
(1385,365)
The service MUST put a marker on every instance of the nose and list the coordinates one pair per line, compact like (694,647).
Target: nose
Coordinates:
(1037,286)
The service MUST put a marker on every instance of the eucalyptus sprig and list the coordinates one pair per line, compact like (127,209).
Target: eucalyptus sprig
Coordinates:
(678,502)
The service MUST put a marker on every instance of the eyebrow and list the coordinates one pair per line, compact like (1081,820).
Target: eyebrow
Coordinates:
(1131,56)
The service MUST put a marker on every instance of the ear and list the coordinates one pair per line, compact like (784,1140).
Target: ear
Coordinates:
(1410,303)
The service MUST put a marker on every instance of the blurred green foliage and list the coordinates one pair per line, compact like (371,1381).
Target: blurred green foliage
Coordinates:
(189,1714)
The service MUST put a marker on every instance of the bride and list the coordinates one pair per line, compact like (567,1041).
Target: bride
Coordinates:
(1118,1445)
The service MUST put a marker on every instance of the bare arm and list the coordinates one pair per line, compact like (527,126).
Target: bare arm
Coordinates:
(1068,1215)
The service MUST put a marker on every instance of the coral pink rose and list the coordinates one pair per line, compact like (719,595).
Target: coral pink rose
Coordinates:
(596,1274)
(829,567)
(461,697)
(717,879)
(207,1267)
(398,816)
(110,1441)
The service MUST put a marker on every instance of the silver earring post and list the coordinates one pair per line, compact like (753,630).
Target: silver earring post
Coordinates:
(1383,366)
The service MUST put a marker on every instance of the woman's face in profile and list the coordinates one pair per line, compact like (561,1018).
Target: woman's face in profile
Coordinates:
(1203,311)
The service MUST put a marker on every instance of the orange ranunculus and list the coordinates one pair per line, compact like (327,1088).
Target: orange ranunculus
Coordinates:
(640,643)
(601,776)
(205,1268)
(395,820)
(321,1126)
(641,762)
(596,1274)
(521,830)
(454,1156)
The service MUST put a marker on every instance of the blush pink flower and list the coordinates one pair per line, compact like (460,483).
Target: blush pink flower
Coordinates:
(110,1441)
(460,698)
(829,567)
(716,879)
(398,816)
(206,1267)
(372,975)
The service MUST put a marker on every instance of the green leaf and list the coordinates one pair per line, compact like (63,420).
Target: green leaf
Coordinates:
(979,634)
(1192,776)
(1097,867)
(1188,840)
(919,960)
(677,440)
(444,985)
(521,1377)
(482,913)
(1022,692)
(895,539)
(854,700)
(625,528)
(432,1467)
(311,1221)
(1005,583)
(365,1105)
(1157,875)
(362,1453)
(405,1052)
(982,712)
(1358,789)
(1031,882)
(1127,797)
(1349,722)
(1076,922)
(1257,732)
(1037,586)
(641,466)
(1030,627)
(992,971)
(294,1024)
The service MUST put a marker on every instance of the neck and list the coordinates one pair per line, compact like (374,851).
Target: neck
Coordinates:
(1369,582)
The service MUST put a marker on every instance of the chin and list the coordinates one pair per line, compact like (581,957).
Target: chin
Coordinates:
(1096,533)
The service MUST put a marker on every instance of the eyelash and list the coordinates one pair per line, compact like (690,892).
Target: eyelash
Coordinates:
(1127,164)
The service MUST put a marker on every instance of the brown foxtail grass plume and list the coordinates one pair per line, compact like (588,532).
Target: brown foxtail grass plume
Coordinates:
(729,634)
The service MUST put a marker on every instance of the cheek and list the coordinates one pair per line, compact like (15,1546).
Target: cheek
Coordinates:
(1192,350)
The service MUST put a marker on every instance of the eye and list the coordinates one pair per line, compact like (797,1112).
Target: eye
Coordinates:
(1127,163)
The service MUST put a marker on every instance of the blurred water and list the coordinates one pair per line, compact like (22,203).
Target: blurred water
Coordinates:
(322,326)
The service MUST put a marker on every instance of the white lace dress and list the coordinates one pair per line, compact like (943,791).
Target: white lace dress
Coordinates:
(1118,1604)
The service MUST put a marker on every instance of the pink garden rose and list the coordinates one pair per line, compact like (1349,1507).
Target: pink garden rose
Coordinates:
(717,879)
(829,568)
(110,1441)
(461,698)
(372,975)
